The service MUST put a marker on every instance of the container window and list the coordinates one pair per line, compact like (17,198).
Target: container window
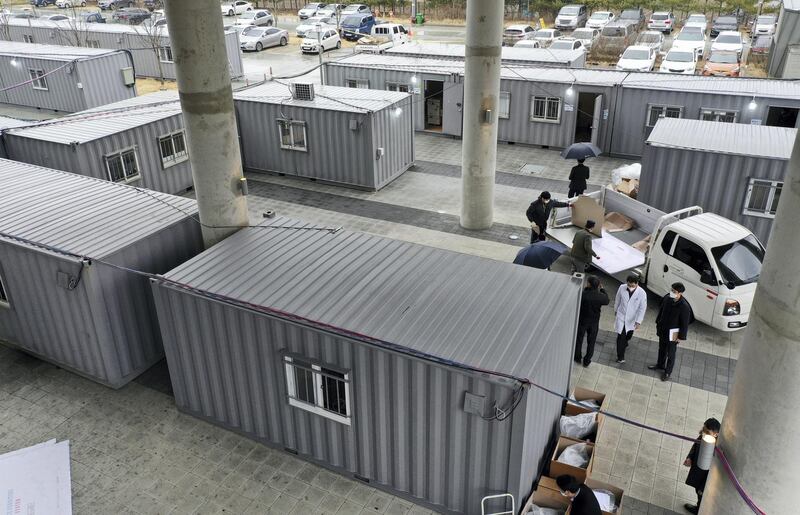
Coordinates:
(714,115)
(165,54)
(318,389)
(122,166)
(38,79)
(504,108)
(173,149)
(93,43)
(292,135)
(4,302)
(358,83)
(27,38)
(396,86)
(762,198)
(654,112)
(546,109)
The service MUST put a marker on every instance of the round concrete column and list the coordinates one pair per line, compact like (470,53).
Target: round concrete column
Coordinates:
(204,83)
(481,92)
(761,418)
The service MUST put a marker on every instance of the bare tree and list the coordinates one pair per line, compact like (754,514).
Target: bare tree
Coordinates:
(151,36)
(75,31)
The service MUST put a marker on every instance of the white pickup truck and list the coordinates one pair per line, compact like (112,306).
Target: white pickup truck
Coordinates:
(719,261)
(383,37)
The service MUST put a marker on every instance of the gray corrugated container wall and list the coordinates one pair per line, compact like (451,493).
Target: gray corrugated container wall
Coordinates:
(93,79)
(7,123)
(787,35)
(383,120)
(415,328)
(102,326)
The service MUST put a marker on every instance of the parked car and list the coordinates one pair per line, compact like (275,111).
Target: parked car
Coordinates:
(688,39)
(697,20)
(309,10)
(356,26)
(614,39)
(259,17)
(728,41)
(53,17)
(546,36)
(637,59)
(152,5)
(320,41)
(571,17)
(722,23)
(567,44)
(92,17)
(234,8)
(723,64)
(679,61)
(64,4)
(663,21)
(42,3)
(651,38)
(527,43)
(131,15)
(106,5)
(259,38)
(27,15)
(514,33)
(355,9)
(586,36)
(765,25)
(330,10)
(761,45)
(599,19)
(634,16)
(312,23)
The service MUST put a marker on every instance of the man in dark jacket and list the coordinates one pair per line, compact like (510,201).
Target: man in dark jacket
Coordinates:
(593,299)
(697,476)
(577,179)
(672,326)
(582,498)
(539,212)
(582,251)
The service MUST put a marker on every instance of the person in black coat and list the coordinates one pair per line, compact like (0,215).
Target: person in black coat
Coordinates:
(577,179)
(672,326)
(697,476)
(539,212)
(582,498)
(593,299)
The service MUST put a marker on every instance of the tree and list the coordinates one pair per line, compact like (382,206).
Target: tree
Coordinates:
(75,32)
(151,37)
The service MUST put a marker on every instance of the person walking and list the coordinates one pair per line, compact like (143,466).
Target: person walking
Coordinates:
(594,297)
(630,305)
(582,251)
(581,497)
(672,325)
(539,212)
(577,179)
(697,477)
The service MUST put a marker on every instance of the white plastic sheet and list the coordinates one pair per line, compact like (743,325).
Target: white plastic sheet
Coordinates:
(578,426)
(631,171)
(575,455)
(606,500)
(537,510)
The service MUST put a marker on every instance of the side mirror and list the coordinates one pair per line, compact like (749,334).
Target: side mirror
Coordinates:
(707,277)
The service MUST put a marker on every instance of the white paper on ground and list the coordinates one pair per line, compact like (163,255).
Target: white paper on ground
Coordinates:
(36,480)
(615,254)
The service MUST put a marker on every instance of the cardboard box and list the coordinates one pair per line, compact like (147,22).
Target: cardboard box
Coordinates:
(557,468)
(585,208)
(583,394)
(619,493)
(547,495)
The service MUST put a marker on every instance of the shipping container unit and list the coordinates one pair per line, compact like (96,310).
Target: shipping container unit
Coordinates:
(646,97)
(62,298)
(140,141)
(732,169)
(63,79)
(510,55)
(149,46)
(403,366)
(8,123)
(363,139)
(784,56)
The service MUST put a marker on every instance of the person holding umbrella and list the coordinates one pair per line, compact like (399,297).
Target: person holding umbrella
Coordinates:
(577,179)
(539,212)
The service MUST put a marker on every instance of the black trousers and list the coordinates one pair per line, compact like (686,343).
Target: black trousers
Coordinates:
(666,353)
(574,192)
(541,236)
(622,342)
(590,330)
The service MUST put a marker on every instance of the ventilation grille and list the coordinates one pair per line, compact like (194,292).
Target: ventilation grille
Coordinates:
(303,91)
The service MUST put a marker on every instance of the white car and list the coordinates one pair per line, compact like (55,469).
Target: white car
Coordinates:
(637,59)
(327,37)
(312,23)
(527,43)
(586,36)
(689,39)
(679,61)
(599,19)
(63,4)
(764,25)
(259,38)
(330,10)
(697,20)
(546,36)
(728,41)
(237,7)
(567,44)
(309,10)
(259,17)
(653,38)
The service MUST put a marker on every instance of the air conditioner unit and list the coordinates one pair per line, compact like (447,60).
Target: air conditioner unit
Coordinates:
(302,91)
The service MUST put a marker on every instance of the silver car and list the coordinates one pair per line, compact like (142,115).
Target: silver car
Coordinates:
(259,18)
(259,38)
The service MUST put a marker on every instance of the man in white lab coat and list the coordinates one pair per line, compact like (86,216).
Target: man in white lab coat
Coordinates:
(629,306)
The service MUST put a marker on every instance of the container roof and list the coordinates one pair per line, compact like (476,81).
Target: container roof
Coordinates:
(80,214)
(532,55)
(329,98)
(50,52)
(791,5)
(478,312)
(402,63)
(723,138)
(103,121)
(9,123)
(760,88)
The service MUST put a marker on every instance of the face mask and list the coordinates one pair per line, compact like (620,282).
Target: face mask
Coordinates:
(673,295)
(545,202)
(631,288)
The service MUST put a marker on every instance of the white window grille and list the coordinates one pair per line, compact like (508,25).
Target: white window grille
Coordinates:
(762,198)
(173,148)
(38,80)
(27,38)
(504,109)
(654,112)
(396,86)
(292,135)
(122,166)
(715,115)
(318,389)
(165,54)
(358,83)
(546,109)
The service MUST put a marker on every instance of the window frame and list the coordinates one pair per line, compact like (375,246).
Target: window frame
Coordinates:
(397,86)
(357,81)
(38,77)
(292,145)
(663,114)
(690,265)
(773,185)
(165,54)
(716,114)
(547,99)
(93,43)
(118,154)
(27,38)
(5,299)
(175,157)
(500,114)
(318,373)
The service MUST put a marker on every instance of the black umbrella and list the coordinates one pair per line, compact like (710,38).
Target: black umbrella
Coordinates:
(541,254)
(580,151)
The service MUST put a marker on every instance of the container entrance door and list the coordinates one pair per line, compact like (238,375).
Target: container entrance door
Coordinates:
(598,108)
(434,98)
(453,114)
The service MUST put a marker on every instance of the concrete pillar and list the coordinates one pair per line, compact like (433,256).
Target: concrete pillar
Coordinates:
(481,92)
(204,84)
(761,418)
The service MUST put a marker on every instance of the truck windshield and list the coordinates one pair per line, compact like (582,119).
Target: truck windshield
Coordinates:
(739,262)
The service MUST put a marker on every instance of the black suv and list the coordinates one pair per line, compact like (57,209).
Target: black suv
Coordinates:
(724,22)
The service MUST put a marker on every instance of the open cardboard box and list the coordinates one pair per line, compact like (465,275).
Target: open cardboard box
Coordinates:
(547,495)
(584,394)
(619,493)
(557,468)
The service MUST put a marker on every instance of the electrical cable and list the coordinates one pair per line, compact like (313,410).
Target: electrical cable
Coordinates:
(38,77)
